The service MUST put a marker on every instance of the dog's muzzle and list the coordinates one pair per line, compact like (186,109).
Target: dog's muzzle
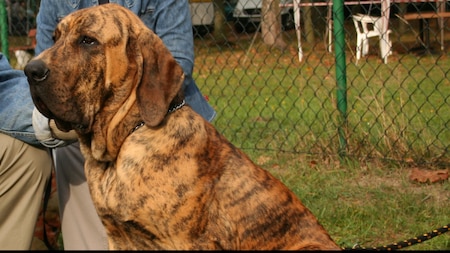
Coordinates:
(37,73)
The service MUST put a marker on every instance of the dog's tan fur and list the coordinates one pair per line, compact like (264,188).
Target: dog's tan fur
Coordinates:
(174,183)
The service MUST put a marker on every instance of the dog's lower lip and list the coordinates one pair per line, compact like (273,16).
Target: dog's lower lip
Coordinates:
(43,108)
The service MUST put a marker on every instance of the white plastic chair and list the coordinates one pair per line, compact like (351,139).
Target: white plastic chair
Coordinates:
(367,27)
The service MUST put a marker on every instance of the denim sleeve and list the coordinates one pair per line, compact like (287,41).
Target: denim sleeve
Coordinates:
(174,27)
(50,13)
(16,105)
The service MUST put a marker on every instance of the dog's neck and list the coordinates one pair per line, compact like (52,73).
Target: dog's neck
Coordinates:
(175,105)
(112,131)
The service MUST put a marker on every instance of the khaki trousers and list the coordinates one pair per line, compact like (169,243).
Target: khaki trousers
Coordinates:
(80,225)
(24,172)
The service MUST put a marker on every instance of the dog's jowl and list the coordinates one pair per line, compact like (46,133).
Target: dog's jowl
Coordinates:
(161,177)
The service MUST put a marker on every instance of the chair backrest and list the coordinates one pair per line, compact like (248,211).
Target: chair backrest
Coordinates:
(366,24)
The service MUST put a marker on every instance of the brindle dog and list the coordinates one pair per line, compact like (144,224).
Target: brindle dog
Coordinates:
(161,177)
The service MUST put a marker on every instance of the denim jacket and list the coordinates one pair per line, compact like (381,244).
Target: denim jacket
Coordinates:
(16,105)
(169,19)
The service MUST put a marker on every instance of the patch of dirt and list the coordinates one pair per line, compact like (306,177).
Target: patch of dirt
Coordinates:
(399,179)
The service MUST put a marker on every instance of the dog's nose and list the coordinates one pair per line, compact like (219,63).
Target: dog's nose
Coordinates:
(36,71)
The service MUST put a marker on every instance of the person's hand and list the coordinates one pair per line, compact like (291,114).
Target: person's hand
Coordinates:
(48,134)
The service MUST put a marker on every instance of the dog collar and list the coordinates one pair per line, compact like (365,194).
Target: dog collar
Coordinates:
(138,126)
(176,107)
(172,109)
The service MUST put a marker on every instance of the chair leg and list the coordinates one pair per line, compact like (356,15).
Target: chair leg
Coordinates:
(359,45)
(385,47)
(390,46)
(365,46)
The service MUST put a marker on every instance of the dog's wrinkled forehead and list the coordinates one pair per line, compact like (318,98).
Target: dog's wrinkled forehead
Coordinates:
(105,23)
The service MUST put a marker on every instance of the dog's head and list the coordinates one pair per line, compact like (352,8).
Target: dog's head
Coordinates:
(103,61)
(106,72)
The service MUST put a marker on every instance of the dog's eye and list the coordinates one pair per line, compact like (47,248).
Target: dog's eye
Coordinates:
(88,40)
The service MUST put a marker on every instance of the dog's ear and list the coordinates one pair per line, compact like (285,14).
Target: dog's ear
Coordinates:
(162,78)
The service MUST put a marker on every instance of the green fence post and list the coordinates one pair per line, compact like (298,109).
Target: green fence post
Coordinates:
(4,29)
(341,77)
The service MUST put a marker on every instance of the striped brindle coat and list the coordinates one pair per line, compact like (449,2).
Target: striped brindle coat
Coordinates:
(160,176)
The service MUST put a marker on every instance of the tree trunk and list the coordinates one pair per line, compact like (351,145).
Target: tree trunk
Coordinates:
(403,26)
(219,22)
(271,31)
(309,25)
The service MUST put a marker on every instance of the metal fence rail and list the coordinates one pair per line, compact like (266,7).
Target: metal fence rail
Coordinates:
(267,99)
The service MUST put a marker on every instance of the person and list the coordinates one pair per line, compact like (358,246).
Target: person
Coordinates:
(25,165)
(171,21)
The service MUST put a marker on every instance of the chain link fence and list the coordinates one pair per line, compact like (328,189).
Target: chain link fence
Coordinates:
(21,16)
(268,100)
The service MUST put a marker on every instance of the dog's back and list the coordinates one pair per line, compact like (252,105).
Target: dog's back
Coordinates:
(260,210)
